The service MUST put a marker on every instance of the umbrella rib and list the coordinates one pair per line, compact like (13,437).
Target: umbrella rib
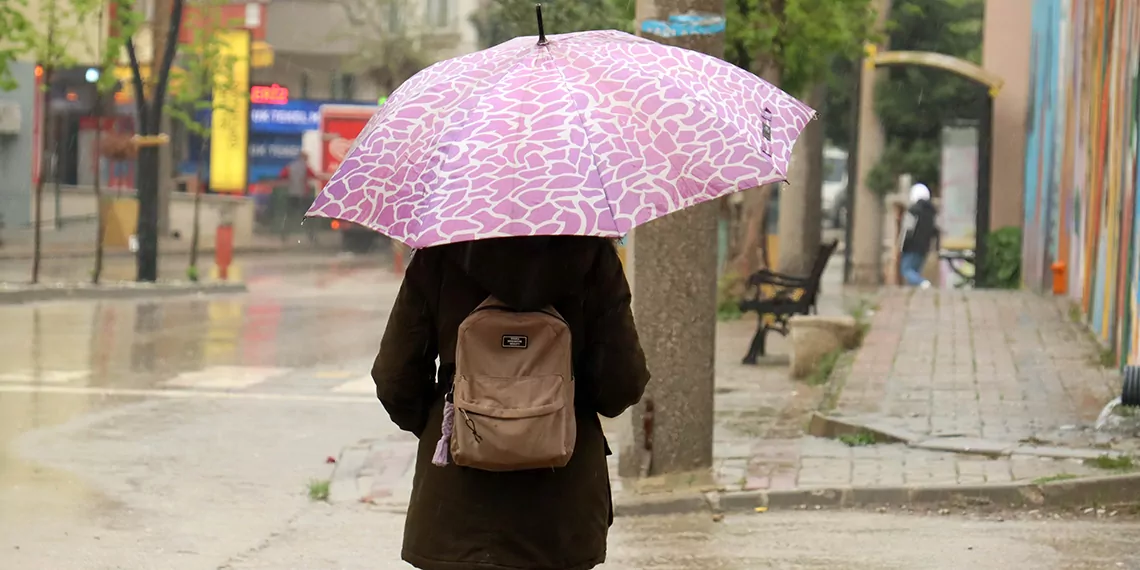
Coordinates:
(474,99)
(589,145)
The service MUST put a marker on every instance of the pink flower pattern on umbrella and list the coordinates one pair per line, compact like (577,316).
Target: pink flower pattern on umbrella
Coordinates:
(591,134)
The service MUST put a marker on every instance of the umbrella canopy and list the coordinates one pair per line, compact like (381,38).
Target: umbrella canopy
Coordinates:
(589,133)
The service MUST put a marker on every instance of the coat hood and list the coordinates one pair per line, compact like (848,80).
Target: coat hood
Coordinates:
(528,273)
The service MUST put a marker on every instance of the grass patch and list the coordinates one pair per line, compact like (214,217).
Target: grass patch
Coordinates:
(1054,478)
(1075,314)
(1110,463)
(824,367)
(1107,357)
(729,289)
(861,439)
(862,312)
(319,489)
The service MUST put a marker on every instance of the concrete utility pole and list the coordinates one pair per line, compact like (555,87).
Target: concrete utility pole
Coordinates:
(801,201)
(675,263)
(867,227)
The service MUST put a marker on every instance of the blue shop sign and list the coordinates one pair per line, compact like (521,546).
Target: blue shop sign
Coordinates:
(294,117)
(274,149)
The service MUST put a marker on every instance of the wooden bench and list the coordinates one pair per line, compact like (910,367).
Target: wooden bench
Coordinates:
(775,298)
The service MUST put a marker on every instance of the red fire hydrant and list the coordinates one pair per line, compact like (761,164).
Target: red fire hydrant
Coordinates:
(224,250)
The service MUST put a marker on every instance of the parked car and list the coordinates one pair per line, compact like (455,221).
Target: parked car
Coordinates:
(834,199)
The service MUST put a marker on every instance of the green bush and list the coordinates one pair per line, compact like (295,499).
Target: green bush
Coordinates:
(728,297)
(1003,259)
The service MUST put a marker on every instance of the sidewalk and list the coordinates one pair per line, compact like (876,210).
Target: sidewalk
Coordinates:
(77,241)
(970,374)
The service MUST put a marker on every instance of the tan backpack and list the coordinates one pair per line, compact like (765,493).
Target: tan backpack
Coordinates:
(511,405)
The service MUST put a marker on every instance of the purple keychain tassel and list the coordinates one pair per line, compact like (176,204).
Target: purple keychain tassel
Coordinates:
(442,447)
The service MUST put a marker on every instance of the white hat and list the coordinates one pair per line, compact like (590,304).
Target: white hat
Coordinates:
(919,192)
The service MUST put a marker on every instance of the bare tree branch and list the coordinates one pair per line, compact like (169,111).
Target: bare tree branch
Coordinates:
(140,91)
(167,59)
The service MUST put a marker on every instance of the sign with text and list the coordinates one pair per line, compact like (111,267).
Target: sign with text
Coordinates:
(269,94)
(229,126)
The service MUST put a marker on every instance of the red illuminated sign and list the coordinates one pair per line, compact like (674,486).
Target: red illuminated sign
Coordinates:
(269,95)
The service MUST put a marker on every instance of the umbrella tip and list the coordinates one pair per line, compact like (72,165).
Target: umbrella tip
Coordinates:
(541,29)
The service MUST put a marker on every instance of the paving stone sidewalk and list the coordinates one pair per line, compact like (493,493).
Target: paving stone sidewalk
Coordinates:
(995,365)
(1000,365)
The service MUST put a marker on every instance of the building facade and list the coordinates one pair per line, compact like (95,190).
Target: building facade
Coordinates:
(1081,203)
(322,48)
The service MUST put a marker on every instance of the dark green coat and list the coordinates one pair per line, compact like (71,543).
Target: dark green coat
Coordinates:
(554,519)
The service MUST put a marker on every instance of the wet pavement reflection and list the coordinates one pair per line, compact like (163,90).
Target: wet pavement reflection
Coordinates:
(182,433)
(60,362)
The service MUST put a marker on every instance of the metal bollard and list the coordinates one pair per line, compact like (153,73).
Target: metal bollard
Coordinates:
(1130,393)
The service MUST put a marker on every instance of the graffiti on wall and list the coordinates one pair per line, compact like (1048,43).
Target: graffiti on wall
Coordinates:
(1081,162)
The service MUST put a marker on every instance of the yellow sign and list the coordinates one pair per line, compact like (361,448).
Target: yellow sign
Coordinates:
(229,128)
(262,55)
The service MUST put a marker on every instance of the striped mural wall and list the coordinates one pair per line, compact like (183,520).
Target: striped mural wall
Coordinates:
(1082,158)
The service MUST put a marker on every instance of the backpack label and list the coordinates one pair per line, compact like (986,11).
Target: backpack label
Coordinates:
(515,341)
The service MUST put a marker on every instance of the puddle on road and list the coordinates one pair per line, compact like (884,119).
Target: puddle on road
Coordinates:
(30,489)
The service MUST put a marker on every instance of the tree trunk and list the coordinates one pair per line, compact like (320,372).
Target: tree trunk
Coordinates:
(801,202)
(674,265)
(46,124)
(195,231)
(752,241)
(97,271)
(150,123)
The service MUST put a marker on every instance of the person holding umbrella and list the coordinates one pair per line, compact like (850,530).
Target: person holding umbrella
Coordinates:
(510,172)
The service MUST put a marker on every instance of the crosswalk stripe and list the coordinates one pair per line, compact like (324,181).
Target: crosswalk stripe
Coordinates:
(44,376)
(176,393)
(362,385)
(225,377)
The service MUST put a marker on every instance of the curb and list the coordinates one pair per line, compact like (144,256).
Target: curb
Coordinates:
(112,292)
(831,427)
(204,251)
(1109,490)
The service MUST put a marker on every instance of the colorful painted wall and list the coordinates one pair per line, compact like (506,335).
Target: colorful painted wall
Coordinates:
(1081,201)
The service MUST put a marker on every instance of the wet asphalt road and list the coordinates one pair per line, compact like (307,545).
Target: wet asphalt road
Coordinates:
(181,434)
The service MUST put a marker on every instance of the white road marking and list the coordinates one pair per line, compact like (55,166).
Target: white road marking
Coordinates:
(225,377)
(44,376)
(188,394)
(363,385)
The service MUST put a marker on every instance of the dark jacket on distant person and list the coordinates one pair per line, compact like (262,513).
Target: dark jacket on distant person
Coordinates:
(924,232)
(551,519)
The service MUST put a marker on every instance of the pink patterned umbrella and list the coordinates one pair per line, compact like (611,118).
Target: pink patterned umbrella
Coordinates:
(589,133)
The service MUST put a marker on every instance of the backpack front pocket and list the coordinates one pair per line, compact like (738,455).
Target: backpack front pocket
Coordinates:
(510,424)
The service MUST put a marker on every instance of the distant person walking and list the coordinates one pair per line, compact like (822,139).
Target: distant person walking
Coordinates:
(299,180)
(919,232)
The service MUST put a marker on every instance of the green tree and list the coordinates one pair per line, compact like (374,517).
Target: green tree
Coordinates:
(795,42)
(52,47)
(125,24)
(198,79)
(914,103)
(796,45)
(148,126)
(16,26)
(502,20)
